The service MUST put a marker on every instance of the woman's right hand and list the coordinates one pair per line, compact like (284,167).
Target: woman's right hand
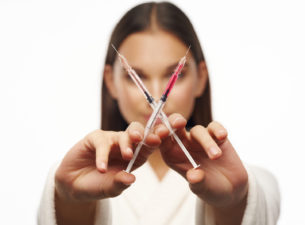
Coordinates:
(93,168)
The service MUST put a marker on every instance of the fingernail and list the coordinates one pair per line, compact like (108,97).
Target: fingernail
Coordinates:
(214,151)
(103,166)
(221,132)
(128,183)
(129,151)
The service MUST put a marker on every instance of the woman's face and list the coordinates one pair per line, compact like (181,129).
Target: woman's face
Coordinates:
(154,56)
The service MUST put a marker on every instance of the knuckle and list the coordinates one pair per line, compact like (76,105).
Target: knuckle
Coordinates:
(94,134)
(135,124)
(216,124)
(92,139)
(121,133)
(196,129)
(217,127)
(131,125)
(174,116)
(213,124)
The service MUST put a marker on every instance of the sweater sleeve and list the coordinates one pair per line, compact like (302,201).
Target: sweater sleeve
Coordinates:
(46,211)
(263,201)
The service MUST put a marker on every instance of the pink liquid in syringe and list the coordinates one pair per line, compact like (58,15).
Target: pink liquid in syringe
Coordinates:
(174,78)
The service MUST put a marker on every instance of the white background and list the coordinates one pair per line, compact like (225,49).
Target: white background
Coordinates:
(51,57)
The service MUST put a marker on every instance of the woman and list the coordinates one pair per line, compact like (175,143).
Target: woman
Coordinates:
(153,37)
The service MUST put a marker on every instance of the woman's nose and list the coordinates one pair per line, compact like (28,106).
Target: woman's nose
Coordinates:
(156,88)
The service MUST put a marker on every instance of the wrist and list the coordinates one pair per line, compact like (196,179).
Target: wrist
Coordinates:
(66,199)
(230,214)
(74,212)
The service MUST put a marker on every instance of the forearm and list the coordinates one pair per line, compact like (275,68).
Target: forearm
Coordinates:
(68,213)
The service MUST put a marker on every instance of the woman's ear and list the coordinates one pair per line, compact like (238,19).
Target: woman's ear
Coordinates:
(109,80)
(202,78)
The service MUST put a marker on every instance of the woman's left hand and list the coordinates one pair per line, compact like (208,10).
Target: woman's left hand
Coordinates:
(221,180)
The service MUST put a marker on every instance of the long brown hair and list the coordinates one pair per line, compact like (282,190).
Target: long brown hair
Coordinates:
(169,18)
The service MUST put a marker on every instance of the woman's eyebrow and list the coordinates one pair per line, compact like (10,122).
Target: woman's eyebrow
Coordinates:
(171,68)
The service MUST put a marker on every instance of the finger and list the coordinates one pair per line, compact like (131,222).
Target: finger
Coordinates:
(202,136)
(196,179)
(136,134)
(152,140)
(195,176)
(101,143)
(125,144)
(135,131)
(217,131)
(177,124)
(122,180)
(162,131)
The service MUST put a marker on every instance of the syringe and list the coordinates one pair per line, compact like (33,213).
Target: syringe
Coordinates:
(153,104)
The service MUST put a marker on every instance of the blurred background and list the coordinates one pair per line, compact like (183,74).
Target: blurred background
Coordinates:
(51,61)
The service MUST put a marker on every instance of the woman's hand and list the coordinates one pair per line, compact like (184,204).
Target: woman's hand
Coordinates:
(93,168)
(221,180)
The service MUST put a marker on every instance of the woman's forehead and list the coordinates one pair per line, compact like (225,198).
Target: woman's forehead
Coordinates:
(161,48)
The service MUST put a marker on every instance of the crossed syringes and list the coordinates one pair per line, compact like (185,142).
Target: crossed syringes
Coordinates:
(157,107)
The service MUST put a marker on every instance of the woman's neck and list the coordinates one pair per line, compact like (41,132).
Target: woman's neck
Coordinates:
(158,165)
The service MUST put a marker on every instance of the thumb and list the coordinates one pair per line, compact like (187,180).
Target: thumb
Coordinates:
(122,180)
(196,179)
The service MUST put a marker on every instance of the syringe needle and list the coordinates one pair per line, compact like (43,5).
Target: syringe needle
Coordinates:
(115,49)
(187,50)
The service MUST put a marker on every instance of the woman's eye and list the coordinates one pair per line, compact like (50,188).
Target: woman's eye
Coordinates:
(127,77)
(168,76)
(142,77)
(181,75)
